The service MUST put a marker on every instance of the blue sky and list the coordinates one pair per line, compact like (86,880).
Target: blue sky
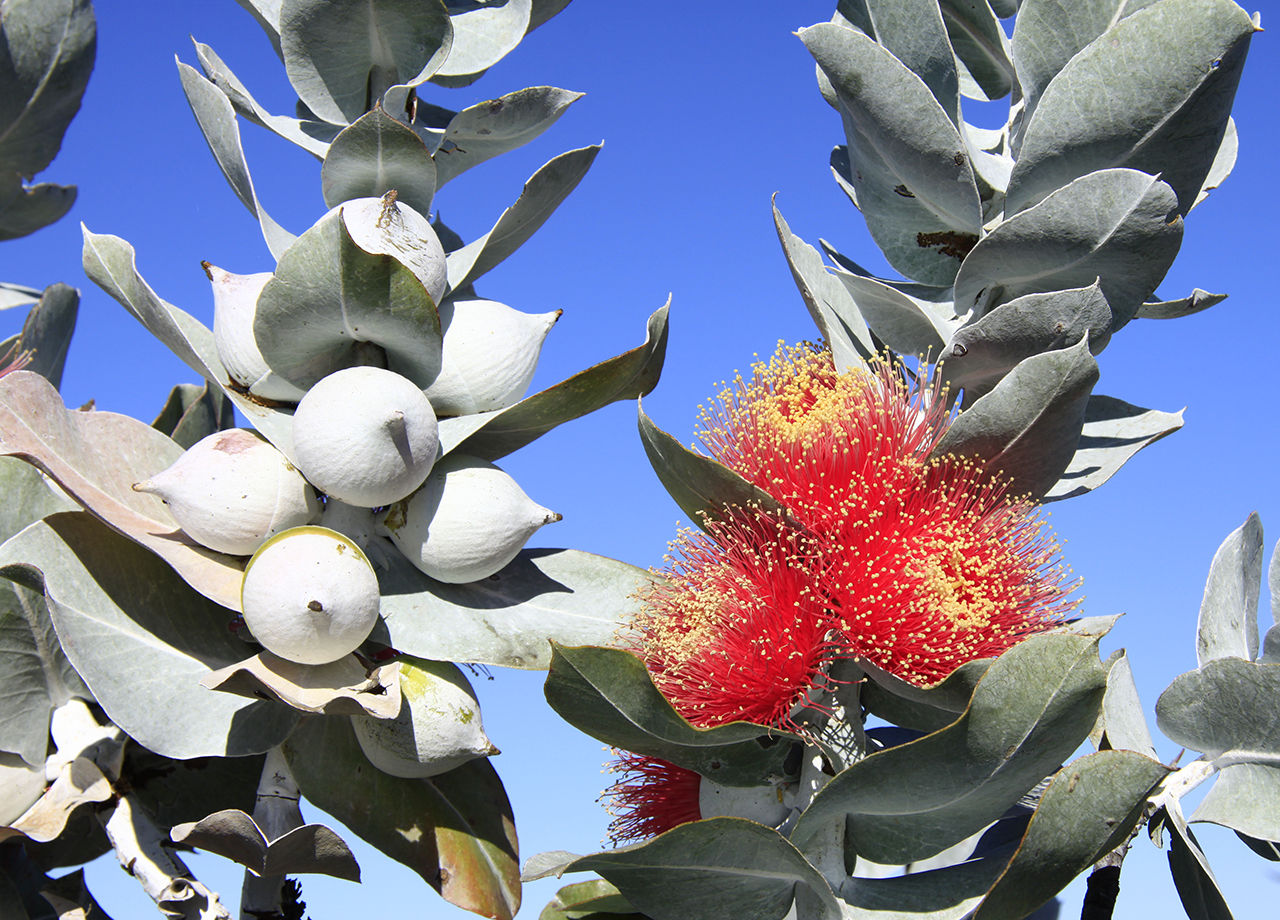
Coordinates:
(706,111)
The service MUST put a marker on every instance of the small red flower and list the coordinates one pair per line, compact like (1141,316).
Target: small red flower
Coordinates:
(652,797)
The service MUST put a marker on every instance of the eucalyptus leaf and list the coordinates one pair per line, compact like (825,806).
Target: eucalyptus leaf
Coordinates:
(29,209)
(542,194)
(708,870)
(43,74)
(1122,720)
(1198,890)
(17,295)
(375,155)
(46,334)
(629,375)
(482,131)
(589,901)
(174,791)
(981,48)
(510,618)
(1108,107)
(1267,849)
(608,694)
(141,639)
(329,295)
(341,55)
(310,134)
(1245,798)
(830,304)
(1228,624)
(217,122)
(1113,432)
(1030,711)
(1223,162)
(69,446)
(1186,306)
(911,174)
(483,34)
(192,413)
(936,894)
(980,354)
(913,32)
(701,486)
(1047,34)
(234,835)
(1088,810)
(1028,427)
(455,830)
(912,319)
(1226,709)
(1112,226)
(267,14)
(544,10)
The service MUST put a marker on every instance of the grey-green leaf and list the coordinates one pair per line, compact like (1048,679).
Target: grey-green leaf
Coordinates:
(28,209)
(375,155)
(1113,432)
(483,34)
(913,32)
(217,122)
(1113,225)
(542,194)
(587,901)
(509,619)
(1246,798)
(712,869)
(607,694)
(1089,809)
(484,130)
(911,174)
(1185,306)
(1033,707)
(830,304)
(936,894)
(912,319)
(630,375)
(1228,624)
(1122,716)
(142,639)
(701,486)
(193,412)
(455,830)
(1226,709)
(1028,427)
(1197,888)
(1109,107)
(50,46)
(981,48)
(980,354)
(48,329)
(341,55)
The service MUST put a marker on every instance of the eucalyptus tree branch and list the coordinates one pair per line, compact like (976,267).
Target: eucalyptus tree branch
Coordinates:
(276,812)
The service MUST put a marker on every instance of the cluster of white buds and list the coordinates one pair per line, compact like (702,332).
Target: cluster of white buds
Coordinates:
(366,438)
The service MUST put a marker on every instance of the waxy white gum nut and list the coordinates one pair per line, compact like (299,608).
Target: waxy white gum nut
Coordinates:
(310,595)
(762,804)
(438,727)
(489,356)
(365,436)
(467,521)
(233,490)
(388,227)
(235,301)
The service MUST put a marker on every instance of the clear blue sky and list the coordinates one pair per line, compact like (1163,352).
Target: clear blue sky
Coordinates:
(706,111)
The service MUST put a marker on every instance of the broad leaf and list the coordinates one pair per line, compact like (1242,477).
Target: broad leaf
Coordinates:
(702,487)
(1185,306)
(481,132)
(234,835)
(936,894)
(1228,624)
(912,319)
(981,48)
(1226,710)
(607,694)
(1122,721)
(46,334)
(542,194)
(483,34)
(1244,798)
(69,446)
(1197,888)
(1109,107)
(375,155)
(341,55)
(455,829)
(1113,432)
(1030,711)
(192,413)
(141,639)
(913,32)
(833,308)
(217,122)
(43,74)
(1089,809)
(174,791)
(27,209)
(510,618)
(630,375)
(1112,226)
(911,174)
(712,869)
(589,901)
(1028,427)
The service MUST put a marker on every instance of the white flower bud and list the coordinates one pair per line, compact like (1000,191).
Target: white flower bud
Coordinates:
(233,490)
(235,301)
(466,522)
(366,436)
(310,595)
(490,355)
(438,727)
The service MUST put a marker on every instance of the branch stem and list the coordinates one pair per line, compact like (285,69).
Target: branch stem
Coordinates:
(276,812)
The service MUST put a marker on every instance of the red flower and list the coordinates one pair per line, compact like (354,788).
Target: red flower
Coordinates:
(653,797)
